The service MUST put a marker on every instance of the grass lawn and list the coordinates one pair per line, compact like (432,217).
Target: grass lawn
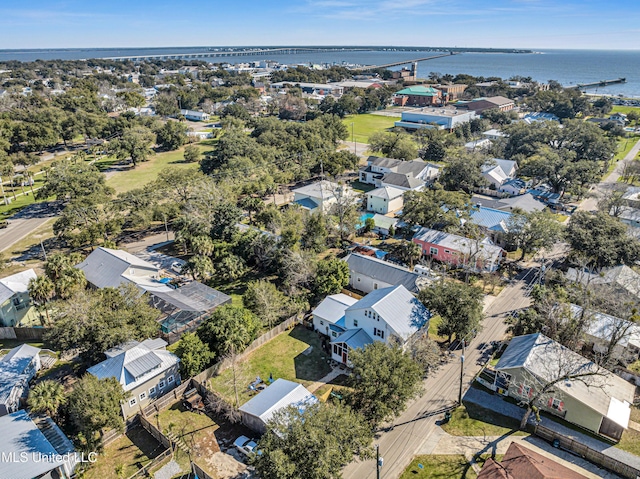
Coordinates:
(472,420)
(624,109)
(125,455)
(366,124)
(41,233)
(12,343)
(630,441)
(282,357)
(362,187)
(439,467)
(625,145)
(148,171)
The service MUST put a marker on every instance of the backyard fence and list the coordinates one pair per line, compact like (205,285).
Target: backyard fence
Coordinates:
(587,453)
(156,433)
(22,334)
(165,401)
(220,366)
(112,434)
(144,471)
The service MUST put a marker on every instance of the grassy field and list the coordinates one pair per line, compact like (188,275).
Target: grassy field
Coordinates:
(624,109)
(281,357)
(471,420)
(121,457)
(630,441)
(366,124)
(148,171)
(454,466)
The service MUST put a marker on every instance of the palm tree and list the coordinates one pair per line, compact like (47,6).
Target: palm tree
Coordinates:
(46,397)
(41,290)
(71,280)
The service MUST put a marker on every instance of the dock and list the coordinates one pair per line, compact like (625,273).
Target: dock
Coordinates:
(601,83)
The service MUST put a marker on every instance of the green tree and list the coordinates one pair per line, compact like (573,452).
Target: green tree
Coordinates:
(265,301)
(194,355)
(172,135)
(436,206)
(94,405)
(229,329)
(46,397)
(68,181)
(383,379)
(394,144)
(532,232)
(92,321)
(369,225)
(407,252)
(66,278)
(331,276)
(458,304)
(200,266)
(41,290)
(134,143)
(316,232)
(191,153)
(166,104)
(463,171)
(602,238)
(315,442)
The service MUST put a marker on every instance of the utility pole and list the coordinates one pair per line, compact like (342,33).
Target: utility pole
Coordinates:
(4,197)
(353,137)
(379,461)
(165,227)
(461,373)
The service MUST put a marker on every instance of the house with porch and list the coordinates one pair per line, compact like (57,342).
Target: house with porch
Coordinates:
(399,174)
(322,195)
(458,251)
(599,401)
(498,171)
(14,297)
(146,371)
(386,314)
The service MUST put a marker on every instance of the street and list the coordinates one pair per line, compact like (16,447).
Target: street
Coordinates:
(27,221)
(398,445)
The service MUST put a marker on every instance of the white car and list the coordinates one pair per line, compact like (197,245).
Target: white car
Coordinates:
(245,445)
(177,267)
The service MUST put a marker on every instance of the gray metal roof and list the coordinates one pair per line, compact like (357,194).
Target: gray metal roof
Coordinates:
(378,269)
(104,267)
(383,162)
(402,180)
(354,338)
(386,192)
(548,360)
(134,366)
(401,310)
(332,307)
(13,369)
(22,439)
(16,283)
(280,394)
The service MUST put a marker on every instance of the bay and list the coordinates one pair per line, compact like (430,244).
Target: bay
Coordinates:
(568,67)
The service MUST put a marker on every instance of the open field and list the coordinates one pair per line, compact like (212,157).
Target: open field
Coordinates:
(366,124)
(147,171)
(282,357)
(624,109)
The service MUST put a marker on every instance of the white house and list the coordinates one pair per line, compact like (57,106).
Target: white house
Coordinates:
(322,194)
(328,316)
(17,368)
(494,134)
(258,410)
(386,314)
(400,174)
(195,115)
(385,200)
(368,274)
(498,171)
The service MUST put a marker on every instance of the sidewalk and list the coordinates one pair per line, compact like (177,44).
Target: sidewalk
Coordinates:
(328,378)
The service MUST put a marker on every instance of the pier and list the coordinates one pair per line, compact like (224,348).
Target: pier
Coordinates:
(405,62)
(600,83)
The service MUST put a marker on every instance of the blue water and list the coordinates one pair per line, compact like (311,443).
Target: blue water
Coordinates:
(565,66)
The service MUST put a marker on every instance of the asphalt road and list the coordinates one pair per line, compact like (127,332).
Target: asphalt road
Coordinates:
(399,444)
(27,221)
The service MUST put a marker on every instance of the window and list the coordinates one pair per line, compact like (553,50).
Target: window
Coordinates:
(525,391)
(143,396)
(132,402)
(355,323)
(152,390)
(334,334)
(375,285)
(556,404)
(335,349)
(433,250)
(170,379)
(447,251)
(358,279)
(321,323)
(378,332)
(161,384)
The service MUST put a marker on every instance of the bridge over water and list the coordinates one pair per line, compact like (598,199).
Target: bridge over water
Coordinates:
(405,62)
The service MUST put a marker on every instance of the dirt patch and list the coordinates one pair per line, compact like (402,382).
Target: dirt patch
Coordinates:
(228,466)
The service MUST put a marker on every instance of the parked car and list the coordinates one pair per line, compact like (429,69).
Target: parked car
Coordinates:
(177,267)
(3,224)
(245,445)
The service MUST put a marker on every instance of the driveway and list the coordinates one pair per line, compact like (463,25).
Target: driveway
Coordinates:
(399,444)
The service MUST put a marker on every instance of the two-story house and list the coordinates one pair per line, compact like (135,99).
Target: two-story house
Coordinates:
(481,255)
(390,314)
(399,174)
(145,370)
(17,368)
(14,297)
(497,171)
(385,200)
(322,195)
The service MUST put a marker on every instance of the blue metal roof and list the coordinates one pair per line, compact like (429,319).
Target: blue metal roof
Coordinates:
(354,338)
(490,218)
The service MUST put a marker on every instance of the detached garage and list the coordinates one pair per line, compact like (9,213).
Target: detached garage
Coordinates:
(282,393)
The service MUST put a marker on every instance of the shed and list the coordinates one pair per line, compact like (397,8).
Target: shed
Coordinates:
(282,393)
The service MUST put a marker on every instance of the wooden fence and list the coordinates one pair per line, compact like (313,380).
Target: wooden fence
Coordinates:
(22,334)
(220,366)
(165,401)
(156,433)
(144,471)
(587,453)
(200,473)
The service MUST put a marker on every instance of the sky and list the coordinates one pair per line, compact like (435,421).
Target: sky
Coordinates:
(535,24)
